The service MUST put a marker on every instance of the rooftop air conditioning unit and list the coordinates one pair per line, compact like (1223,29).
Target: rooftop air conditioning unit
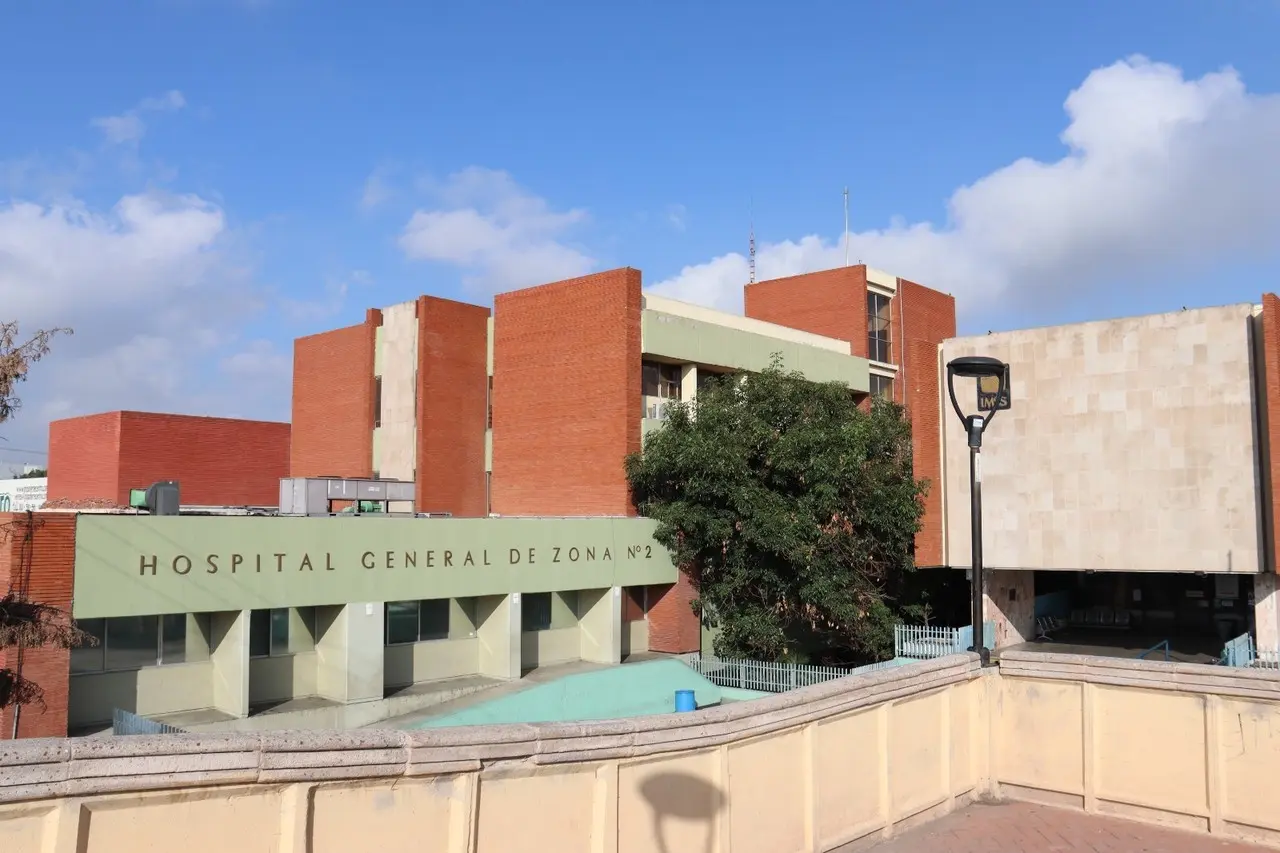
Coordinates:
(163,498)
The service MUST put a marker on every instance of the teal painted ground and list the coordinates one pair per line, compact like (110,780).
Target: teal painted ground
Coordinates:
(633,690)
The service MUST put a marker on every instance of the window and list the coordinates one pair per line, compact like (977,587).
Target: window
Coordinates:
(488,492)
(489,421)
(433,619)
(87,658)
(878,327)
(377,402)
(535,611)
(660,380)
(132,642)
(417,621)
(881,386)
(658,383)
(281,631)
(173,638)
(402,622)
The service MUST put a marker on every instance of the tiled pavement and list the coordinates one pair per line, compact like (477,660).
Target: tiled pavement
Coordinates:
(1011,827)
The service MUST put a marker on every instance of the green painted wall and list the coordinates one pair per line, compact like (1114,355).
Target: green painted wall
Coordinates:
(633,690)
(698,342)
(139,565)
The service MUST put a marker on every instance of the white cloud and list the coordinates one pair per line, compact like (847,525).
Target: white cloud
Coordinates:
(259,361)
(328,302)
(1161,172)
(376,191)
(128,127)
(153,289)
(499,234)
(676,215)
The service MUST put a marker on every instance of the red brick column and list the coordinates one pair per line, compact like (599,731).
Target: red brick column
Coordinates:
(453,405)
(566,395)
(926,318)
(38,551)
(1271,388)
(333,400)
(673,627)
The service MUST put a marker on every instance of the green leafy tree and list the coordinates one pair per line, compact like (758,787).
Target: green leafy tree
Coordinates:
(798,509)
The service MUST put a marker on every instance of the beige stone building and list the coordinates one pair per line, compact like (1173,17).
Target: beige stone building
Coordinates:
(1128,492)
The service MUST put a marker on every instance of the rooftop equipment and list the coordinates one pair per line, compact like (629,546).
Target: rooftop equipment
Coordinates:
(315,495)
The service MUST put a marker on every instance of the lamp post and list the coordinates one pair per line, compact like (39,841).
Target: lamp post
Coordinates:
(992,380)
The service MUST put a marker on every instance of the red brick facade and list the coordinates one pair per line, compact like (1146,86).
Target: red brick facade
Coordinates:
(84,458)
(673,627)
(926,319)
(37,556)
(834,303)
(222,461)
(452,407)
(1271,377)
(831,303)
(333,402)
(566,396)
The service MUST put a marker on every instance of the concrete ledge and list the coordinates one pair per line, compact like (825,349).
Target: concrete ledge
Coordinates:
(45,768)
(1150,675)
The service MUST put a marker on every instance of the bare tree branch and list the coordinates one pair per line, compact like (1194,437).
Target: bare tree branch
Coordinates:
(16,359)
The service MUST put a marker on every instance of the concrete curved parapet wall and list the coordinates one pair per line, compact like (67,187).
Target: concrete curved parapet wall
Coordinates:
(809,770)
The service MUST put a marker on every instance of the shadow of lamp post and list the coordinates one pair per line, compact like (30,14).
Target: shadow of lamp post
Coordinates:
(992,380)
(686,798)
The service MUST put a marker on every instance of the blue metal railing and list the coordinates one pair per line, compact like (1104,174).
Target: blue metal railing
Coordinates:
(1163,644)
(1244,652)
(128,723)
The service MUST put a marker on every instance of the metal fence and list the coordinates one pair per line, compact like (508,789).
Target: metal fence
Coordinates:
(761,675)
(1244,652)
(922,642)
(768,677)
(128,723)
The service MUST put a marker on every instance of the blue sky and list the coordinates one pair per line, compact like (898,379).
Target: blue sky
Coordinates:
(193,183)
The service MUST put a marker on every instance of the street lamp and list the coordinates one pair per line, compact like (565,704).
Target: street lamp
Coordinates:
(992,380)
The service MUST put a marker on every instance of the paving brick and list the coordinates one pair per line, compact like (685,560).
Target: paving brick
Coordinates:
(1019,827)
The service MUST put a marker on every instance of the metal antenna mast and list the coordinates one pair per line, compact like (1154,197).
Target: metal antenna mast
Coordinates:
(751,243)
(846,226)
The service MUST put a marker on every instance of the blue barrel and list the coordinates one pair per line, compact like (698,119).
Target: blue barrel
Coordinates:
(685,701)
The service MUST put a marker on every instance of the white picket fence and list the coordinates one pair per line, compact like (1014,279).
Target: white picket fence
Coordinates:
(772,677)
(923,642)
